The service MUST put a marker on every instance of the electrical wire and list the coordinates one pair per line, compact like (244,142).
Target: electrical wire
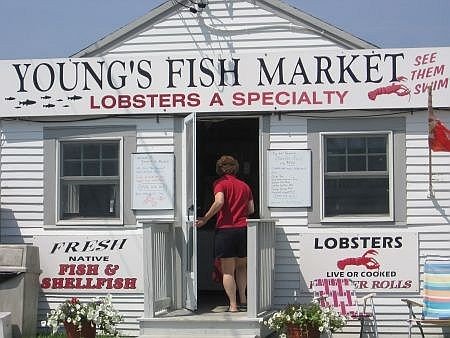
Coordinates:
(191,8)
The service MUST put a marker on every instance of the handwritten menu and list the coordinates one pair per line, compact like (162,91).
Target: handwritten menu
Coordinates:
(153,181)
(289,178)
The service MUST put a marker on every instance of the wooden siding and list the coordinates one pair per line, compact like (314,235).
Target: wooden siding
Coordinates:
(155,135)
(430,217)
(223,27)
(22,200)
(228,27)
(21,181)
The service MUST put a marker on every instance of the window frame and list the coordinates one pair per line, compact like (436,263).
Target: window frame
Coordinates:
(74,131)
(390,161)
(93,220)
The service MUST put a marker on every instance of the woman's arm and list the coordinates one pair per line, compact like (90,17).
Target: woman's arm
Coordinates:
(219,200)
(250,207)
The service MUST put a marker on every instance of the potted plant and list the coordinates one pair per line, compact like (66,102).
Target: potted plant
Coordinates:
(83,319)
(305,320)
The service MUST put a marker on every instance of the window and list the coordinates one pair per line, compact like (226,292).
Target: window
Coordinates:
(358,171)
(356,175)
(89,179)
(87,175)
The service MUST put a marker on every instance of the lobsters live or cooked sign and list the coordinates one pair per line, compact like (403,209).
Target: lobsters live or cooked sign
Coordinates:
(385,262)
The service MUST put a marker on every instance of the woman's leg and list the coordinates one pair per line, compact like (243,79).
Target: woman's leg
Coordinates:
(241,278)
(229,284)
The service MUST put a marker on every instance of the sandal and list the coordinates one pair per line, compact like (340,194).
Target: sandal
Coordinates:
(242,307)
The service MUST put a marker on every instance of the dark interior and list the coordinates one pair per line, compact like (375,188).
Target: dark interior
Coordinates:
(238,138)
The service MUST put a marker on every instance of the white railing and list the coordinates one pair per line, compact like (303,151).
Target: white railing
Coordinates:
(158,267)
(261,265)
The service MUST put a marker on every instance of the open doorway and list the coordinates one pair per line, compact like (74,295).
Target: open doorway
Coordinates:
(238,137)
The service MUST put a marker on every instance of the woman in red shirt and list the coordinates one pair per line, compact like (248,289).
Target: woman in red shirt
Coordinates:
(233,202)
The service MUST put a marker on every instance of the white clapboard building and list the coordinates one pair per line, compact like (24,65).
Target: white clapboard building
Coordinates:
(108,156)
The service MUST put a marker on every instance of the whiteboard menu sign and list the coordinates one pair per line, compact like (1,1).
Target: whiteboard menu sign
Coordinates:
(153,181)
(289,178)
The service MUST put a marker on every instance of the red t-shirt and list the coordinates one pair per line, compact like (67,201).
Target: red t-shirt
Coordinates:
(237,194)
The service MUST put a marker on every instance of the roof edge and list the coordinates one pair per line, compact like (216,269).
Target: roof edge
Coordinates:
(277,6)
(321,27)
(129,29)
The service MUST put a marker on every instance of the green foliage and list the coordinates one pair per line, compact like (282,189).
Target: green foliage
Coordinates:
(99,311)
(312,315)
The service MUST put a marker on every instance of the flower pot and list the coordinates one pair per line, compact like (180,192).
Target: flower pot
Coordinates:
(87,330)
(294,331)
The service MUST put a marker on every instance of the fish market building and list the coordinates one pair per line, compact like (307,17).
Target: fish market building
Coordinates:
(108,156)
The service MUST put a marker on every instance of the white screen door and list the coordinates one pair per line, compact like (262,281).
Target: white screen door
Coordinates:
(189,212)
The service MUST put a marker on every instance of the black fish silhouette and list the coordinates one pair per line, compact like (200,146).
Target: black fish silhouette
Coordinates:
(10,98)
(75,97)
(27,102)
(46,97)
(18,107)
(50,105)
(59,100)
(66,105)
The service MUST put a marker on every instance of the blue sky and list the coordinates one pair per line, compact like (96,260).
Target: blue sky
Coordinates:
(56,28)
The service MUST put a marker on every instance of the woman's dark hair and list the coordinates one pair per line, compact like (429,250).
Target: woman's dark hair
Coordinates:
(227,164)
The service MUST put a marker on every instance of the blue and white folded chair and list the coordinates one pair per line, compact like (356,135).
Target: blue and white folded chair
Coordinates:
(436,296)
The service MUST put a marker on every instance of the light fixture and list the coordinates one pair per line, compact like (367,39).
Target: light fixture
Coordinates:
(200,5)
(191,8)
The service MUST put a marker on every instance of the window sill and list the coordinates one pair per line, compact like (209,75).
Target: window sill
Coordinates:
(89,226)
(85,222)
(373,219)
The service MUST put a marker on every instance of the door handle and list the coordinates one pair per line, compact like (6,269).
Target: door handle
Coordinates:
(190,212)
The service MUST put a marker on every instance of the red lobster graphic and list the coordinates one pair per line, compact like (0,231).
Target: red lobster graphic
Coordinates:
(395,88)
(369,262)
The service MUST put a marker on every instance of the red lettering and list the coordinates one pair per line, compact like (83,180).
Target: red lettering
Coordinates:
(164,100)
(267,98)
(152,98)
(108,101)
(193,99)
(64,267)
(45,283)
(138,101)
(81,269)
(124,101)
(93,105)
(69,283)
(253,97)
(178,98)
(92,269)
(424,59)
(118,283)
(362,284)
(88,283)
(238,99)
(130,283)
(57,283)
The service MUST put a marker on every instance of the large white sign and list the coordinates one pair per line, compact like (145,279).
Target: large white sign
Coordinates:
(110,264)
(153,181)
(306,80)
(384,262)
(289,178)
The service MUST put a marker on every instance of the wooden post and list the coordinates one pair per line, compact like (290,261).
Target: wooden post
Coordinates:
(430,128)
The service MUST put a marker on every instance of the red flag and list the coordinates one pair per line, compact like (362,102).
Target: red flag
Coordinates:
(439,135)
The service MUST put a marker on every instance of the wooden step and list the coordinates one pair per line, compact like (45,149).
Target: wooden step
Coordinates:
(186,324)
(196,336)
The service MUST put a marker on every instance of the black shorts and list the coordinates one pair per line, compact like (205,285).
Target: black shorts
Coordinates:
(230,243)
